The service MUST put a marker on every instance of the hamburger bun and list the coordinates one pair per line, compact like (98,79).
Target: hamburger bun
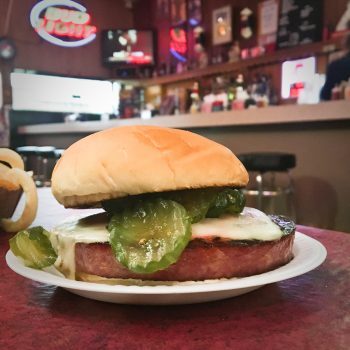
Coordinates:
(133,160)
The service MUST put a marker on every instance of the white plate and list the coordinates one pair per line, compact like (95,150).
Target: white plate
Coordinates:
(308,254)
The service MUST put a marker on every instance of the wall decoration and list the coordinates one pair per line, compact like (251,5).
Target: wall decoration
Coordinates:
(222,25)
(178,44)
(246,23)
(61,26)
(300,22)
(267,22)
(194,12)
(178,12)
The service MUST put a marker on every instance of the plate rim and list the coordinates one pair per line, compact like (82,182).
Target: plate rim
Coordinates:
(290,270)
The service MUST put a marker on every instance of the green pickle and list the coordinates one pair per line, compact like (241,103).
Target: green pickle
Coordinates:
(197,201)
(228,201)
(148,232)
(34,247)
(119,204)
(150,235)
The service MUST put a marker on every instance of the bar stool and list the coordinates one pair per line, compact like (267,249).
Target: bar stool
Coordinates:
(58,153)
(43,153)
(27,152)
(271,185)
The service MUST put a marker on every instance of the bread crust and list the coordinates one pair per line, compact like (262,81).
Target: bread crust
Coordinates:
(132,160)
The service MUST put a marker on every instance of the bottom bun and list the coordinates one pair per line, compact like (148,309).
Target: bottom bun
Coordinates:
(203,259)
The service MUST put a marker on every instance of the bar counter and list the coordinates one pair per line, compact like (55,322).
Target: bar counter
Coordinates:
(310,311)
(284,114)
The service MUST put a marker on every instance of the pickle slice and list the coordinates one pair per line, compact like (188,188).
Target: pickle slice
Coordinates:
(117,205)
(230,201)
(197,201)
(150,236)
(34,247)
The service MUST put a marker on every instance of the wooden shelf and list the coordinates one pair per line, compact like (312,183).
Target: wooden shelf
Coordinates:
(317,49)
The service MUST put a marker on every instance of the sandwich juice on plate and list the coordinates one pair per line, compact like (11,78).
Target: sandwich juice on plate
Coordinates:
(174,211)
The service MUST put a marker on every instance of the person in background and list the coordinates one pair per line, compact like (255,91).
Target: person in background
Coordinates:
(337,71)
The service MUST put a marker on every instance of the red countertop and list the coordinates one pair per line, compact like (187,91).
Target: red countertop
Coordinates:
(311,311)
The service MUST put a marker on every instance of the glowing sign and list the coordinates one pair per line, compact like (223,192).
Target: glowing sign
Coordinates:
(295,74)
(178,43)
(62,26)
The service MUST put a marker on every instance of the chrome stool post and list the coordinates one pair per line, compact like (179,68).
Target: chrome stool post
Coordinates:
(44,153)
(26,152)
(271,187)
(259,181)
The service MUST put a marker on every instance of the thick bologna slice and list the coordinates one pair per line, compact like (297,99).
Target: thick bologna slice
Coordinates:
(202,259)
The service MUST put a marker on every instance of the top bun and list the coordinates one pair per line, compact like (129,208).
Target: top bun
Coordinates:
(131,160)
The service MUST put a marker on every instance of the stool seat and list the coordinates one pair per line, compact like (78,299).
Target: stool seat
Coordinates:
(27,150)
(271,187)
(46,151)
(267,161)
(59,152)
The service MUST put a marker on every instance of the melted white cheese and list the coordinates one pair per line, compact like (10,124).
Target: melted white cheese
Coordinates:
(90,229)
(250,224)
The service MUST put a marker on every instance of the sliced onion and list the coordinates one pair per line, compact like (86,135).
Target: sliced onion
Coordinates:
(12,158)
(22,179)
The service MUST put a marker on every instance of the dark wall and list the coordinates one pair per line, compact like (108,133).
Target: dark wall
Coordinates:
(35,53)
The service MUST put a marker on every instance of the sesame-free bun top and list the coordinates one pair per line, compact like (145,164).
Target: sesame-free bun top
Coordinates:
(131,160)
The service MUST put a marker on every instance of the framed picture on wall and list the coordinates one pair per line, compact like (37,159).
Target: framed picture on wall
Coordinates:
(268,22)
(299,24)
(222,25)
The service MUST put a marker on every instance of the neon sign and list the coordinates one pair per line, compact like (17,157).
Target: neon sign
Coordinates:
(62,26)
(178,43)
